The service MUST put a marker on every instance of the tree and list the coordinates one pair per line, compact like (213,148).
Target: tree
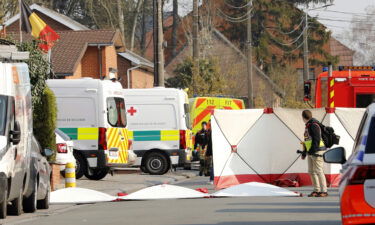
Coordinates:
(287,78)
(277,28)
(361,37)
(209,82)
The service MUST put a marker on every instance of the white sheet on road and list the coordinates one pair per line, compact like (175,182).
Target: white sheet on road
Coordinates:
(164,191)
(79,196)
(255,189)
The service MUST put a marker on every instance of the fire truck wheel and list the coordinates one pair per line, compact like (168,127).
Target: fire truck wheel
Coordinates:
(156,163)
(81,165)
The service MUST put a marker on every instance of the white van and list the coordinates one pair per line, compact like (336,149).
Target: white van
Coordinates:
(15,131)
(159,126)
(92,113)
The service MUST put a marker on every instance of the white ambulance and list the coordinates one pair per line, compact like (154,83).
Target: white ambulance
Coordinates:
(159,127)
(15,131)
(92,113)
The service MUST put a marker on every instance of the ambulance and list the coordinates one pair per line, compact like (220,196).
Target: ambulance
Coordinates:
(92,113)
(159,126)
(201,108)
(16,180)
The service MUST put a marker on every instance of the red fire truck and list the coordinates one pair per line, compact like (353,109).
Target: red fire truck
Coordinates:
(350,86)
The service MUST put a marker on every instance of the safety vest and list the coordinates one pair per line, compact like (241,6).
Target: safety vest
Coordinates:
(308,141)
(308,144)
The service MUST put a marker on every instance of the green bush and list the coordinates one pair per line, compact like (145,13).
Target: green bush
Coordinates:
(45,115)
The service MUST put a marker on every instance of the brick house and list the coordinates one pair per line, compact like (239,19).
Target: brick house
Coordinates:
(82,52)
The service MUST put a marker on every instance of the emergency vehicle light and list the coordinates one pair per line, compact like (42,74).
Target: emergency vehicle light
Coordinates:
(368,68)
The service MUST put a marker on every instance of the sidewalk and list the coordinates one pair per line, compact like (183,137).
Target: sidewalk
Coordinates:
(131,180)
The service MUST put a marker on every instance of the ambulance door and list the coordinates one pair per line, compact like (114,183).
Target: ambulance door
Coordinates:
(116,133)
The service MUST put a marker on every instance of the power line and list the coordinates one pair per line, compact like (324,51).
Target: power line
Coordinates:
(351,13)
(290,43)
(237,7)
(243,17)
(282,32)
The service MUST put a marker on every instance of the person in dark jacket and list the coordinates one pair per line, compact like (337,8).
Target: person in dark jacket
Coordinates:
(209,157)
(200,146)
(314,148)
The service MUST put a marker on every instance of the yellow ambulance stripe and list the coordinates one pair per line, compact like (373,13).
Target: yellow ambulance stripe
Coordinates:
(88,133)
(170,135)
(332,82)
(115,141)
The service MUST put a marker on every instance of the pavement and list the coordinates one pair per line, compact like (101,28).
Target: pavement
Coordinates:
(212,211)
(122,181)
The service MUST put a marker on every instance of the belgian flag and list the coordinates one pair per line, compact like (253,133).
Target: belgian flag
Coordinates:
(31,23)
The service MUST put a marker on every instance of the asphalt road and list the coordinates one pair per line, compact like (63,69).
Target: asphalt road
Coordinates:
(219,211)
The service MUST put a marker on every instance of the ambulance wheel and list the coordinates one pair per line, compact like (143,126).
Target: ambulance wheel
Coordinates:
(143,169)
(4,203)
(156,163)
(81,165)
(97,174)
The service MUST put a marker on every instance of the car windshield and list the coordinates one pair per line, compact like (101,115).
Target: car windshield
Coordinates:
(3,113)
(62,135)
(370,145)
(116,112)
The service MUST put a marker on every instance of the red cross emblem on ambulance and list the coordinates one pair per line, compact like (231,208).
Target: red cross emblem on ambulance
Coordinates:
(132,111)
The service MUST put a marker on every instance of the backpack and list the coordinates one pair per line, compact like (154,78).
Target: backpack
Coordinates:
(328,135)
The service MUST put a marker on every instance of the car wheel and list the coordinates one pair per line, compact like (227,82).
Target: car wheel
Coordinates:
(156,163)
(97,174)
(30,203)
(81,165)
(4,203)
(44,203)
(16,208)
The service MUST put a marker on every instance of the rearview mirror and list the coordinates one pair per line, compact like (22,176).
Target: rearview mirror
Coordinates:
(48,152)
(335,155)
(15,134)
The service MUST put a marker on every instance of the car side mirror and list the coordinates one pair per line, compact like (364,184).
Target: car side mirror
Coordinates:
(15,134)
(47,152)
(335,155)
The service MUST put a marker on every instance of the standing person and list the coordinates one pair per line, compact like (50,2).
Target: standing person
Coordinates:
(209,159)
(314,148)
(201,142)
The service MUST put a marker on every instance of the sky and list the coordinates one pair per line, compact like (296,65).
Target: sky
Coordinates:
(346,9)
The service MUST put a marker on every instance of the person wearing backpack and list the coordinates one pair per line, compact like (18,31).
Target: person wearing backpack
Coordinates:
(314,148)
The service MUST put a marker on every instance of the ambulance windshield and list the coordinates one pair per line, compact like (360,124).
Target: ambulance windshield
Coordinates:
(3,110)
(116,112)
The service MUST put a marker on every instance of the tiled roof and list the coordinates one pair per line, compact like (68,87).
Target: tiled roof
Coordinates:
(72,24)
(70,48)
(136,59)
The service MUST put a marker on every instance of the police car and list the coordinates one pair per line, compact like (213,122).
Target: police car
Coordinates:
(357,186)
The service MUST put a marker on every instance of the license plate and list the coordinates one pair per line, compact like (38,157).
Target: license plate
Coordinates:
(113,154)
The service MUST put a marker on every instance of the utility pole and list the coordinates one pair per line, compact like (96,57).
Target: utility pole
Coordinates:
(155,39)
(306,69)
(249,59)
(195,44)
(160,45)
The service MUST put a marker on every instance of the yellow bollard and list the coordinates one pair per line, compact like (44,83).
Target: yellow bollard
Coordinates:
(70,175)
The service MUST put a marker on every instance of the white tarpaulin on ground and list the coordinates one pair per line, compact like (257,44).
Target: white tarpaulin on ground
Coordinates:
(254,189)
(164,191)
(79,196)
(257,145)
